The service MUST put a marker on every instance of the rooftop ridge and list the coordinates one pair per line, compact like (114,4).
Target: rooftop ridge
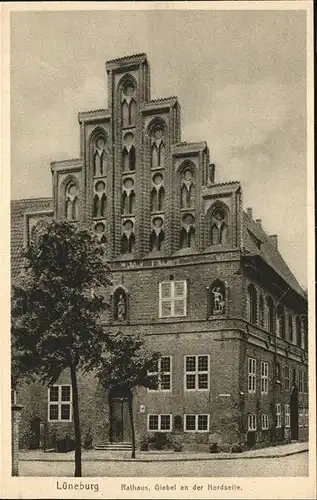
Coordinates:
(224,183)
(31,199)
(132,56)
(90,111)
(66,161)
(160,99)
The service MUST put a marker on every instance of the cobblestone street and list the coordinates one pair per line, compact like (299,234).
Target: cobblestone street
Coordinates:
(294,465)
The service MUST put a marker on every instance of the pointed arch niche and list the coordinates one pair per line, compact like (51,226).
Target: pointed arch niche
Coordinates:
(157,133)
(70,197)
(217,225)
(127,90)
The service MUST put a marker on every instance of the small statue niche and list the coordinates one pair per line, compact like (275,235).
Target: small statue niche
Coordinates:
(120,305)
(218,298)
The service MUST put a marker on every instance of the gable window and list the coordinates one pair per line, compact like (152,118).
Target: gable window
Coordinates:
(172,299)
(280,322)
(290,328)
(252,304)
(305,381)
(264,377)
(298,325)
(265,421)
(196,423)
(59,403)
(164,372)
(251,375)
(251,422)
(160,423)
(261,311)
(301,380)
(197,373)
(287,416)
(278,415)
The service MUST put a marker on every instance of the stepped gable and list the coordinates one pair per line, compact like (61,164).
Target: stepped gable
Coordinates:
(18,210)
(268,251)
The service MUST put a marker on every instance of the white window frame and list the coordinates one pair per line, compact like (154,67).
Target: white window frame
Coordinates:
(196,421)
(278,413)
(287,417)
(287,370)
(265,421)
(59,403)
(264,377)
(159,388)
(196,373)
(252,422)
(171,299)
(251,375)
(159,415)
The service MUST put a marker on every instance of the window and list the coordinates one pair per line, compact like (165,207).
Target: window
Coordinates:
(305,381)
(261,311)
(160,423)
(278,415)
(298,332)
(269,315)
(280,322)
(251,422)
(287,416)
(196,423)
(252,304)
(251,375)
(301,380)
(265,422)
(197,373)
(59,403)
(290,328)
(286,378)
(264,377)
(301,417)
(164,372)
(172,299)
(306,417)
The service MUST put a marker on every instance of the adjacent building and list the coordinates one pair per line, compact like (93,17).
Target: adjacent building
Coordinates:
(191,269)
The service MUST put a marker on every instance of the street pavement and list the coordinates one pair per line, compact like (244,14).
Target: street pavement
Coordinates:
(280,466)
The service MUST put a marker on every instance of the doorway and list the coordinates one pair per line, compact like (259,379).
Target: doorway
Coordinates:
(120,423)
(294,413)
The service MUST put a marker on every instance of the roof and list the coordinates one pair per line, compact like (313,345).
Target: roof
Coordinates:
(254,233)
(18,209)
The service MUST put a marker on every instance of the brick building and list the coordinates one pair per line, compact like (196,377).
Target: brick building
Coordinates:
(191,270)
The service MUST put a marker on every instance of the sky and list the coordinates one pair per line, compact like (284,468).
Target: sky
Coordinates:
(240,77)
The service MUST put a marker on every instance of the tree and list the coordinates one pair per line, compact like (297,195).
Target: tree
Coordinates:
(56,308)
(127,363)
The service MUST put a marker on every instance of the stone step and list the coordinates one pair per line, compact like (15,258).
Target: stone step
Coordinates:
(114,447)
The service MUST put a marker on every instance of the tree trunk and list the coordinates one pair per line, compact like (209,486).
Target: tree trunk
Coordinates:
(76,421)
(132,424)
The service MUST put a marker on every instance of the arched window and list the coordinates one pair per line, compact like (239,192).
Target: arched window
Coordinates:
(157,144)
(156,240)
(217,298)
(280,322)
(269,315)
(161,196)
(298,324)
(120,305)
(187,233)
(252,304)
(132,202)
(261,311)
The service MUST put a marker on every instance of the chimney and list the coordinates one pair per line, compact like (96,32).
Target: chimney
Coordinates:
(259,222)
(273,238)
(249,212)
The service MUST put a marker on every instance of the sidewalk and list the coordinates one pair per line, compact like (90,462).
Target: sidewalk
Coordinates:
(162,456)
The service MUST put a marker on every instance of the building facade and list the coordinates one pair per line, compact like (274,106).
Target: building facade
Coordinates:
(190,269)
